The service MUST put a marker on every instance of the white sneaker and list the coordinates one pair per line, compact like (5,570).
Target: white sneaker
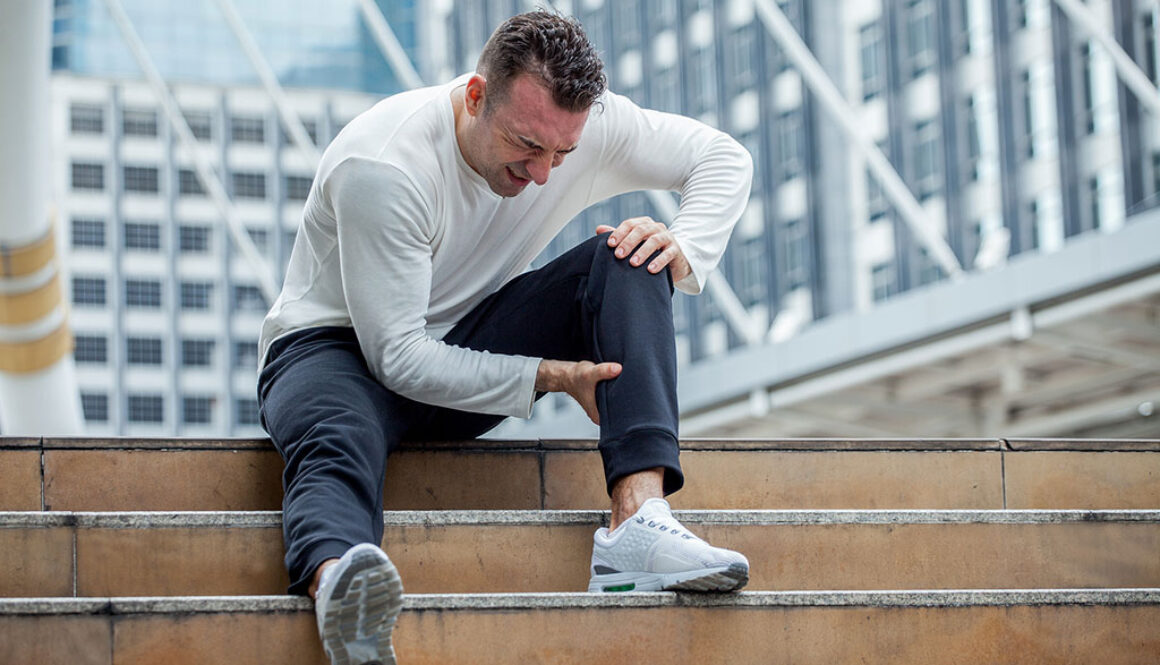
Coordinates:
(357,603)
(651,551)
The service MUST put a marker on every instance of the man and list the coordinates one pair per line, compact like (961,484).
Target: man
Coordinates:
(405,315)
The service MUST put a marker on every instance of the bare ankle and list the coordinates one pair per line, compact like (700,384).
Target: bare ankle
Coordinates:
(313,590)
(631,491)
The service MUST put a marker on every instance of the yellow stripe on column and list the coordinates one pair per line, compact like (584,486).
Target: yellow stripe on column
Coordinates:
(38,354)
(27,259)
(21,308)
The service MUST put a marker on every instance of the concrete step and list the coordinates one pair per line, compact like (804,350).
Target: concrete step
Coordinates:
(77,474)
(1114,627)
(179,554)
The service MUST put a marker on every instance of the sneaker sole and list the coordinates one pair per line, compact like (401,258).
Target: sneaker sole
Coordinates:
(713,580)
(362,612)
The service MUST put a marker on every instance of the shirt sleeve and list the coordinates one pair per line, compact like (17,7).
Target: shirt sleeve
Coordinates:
(384,234)
(645,149)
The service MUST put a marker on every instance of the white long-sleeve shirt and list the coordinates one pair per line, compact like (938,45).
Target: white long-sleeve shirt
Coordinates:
(401,238)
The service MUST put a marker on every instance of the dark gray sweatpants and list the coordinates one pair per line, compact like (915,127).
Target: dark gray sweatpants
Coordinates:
(334,423)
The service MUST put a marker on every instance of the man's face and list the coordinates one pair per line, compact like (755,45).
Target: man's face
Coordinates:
(520,139)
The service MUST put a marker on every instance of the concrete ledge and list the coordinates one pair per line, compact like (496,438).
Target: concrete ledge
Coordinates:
(701,444)
(1086,445)
(571,601)
(440,518)
(19,442)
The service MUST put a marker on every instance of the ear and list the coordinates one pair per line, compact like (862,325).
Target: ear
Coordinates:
(473,96)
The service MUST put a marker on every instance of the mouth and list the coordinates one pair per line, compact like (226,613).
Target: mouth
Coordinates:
(517,180)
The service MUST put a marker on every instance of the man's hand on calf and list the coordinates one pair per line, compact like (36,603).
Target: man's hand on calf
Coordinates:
(578,379)
(637,238)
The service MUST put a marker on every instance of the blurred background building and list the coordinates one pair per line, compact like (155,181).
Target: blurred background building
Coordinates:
(1016,296)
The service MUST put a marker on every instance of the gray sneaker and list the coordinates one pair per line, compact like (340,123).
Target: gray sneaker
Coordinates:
(357,604)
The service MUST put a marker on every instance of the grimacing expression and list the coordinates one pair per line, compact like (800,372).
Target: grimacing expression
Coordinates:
(524,136)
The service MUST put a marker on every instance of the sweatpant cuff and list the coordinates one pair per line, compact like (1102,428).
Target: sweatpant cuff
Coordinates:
(317,553)
(641,450)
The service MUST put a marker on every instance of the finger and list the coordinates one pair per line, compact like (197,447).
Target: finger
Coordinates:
(625,228)
(604,228)
(667,257)
(638,233)
(605,371)
(650,245)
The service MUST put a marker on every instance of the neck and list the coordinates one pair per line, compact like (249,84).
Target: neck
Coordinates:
(464,123)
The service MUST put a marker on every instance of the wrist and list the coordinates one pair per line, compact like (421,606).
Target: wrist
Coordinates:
(549,376)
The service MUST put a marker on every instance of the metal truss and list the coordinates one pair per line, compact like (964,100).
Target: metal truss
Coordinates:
(205,173)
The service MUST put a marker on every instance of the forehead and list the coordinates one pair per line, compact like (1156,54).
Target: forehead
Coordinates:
(529,112)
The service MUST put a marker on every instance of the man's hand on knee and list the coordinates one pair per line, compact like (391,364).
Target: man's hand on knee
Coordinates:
(578,379)
(638,237)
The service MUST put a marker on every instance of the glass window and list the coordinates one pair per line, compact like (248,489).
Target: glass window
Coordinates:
(665,94)
(91,349)
(741,54)
(247,411)
(248,129)
(249,185)
(873,80)
(197,410)
(928,269)
(974,143)
(883,281)
(795,248)
(143,350)
(87,119)
(143,293)
(197,352)
(196,295)
(201,124)
(193,239)
(260,238)
(1089,97)
(789,133)
(143,236)
(298,187)
(246,354)
(311,127)
(249,299)
(95,407)
(146,408)
(142,179)
(920,36)
(88,233)
(88,290)
(926,159)
(188,184)
(139,122)
(88,176)
(876,203)
(1150,45)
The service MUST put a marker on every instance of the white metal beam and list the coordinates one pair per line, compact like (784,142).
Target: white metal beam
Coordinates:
(389,45)
(209,180)
(819,83)
(290,117)
(1085,21)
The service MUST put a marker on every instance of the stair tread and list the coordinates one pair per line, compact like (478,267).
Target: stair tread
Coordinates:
(596,518)
(710,443)
(581,600)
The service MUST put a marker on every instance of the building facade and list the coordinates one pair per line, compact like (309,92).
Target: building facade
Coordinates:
(1007,123)
(1005,120)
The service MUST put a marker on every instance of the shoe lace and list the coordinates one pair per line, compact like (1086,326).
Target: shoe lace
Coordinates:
(666,524)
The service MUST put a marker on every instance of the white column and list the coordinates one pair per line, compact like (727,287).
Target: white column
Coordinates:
(38,389)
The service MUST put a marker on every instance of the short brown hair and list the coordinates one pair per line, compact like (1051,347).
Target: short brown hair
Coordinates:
(549,46)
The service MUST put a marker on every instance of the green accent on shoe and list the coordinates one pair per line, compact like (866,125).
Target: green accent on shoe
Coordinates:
(622,587)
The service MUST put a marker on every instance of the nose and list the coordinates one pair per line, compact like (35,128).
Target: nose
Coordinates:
(539,168)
